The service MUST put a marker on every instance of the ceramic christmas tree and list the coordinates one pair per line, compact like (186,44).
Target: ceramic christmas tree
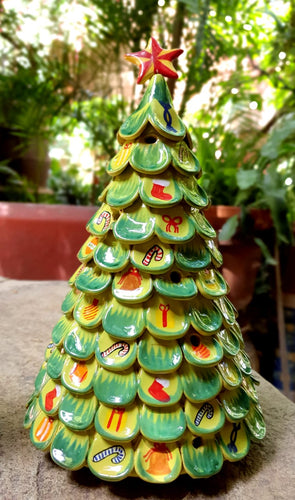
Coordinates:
(146,373)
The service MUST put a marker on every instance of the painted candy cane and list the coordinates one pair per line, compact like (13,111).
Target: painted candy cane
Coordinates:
(123,346)
(155,250)
(104,215)
(112,450)
(207,409)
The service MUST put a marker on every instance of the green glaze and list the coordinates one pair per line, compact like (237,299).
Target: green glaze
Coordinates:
(41,378)
(150,158)
(162,424)
(192,255)
(86,251)
(193,193)
(77,412)
(162,191)
(123,189)
(78,376)
(211,283)
(229,342)
(108,460)
(122,321)
(79,342)
(101,221)
(155,108)
(166,318)
(55,363)
(43,430)
(49,350)
(158,356)
(89,310)
(117,423)
(32,412)
(204,418)
(173,225)
(215,253)
(205,318)
(203,227)
(92,280)
(201,458)
(132,285)
(115,389)
(181,288)
(200,384)
(184,160)
(201,351)
(70,301)
(115,354)
(135,225)
(230,372)
(249,385)
(236,403)
(157,462)
(69,449)
(120,161)
(51,397)
(255,422)
(111,255)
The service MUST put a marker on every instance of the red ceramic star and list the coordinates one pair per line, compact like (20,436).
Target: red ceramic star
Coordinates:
(154,60)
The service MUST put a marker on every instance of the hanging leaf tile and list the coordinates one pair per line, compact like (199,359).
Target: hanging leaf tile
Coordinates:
(201,457)
(69,449)
(205,318)
(153,256)
(192,255)
(101,221)
(117,423)
(243,362)
(109,460)
(77,412)
(157,462)
(62,327)
(51,397)
(123,189)
(156,356)
(200,384)
(162,424)
(166,318)
(135,225)
(115,354)
(131,285)
(161,391)
(115,389)
(79,342)
(92,280)
(203,227)
(175,285)
(204,418)
(86,251)
(231,374)
(123,321)
(55,363)
(173,225)
(151,156)
(162,191)
(70,300)
(43,430)
(33,410)
(111,255)
(227,310)
(211,283)
(77,376)
(193,193)
(255,422)
(184,160)
(201,351)
(73,278)
(120,161)
(229,342)
(89,310)
(215,253)
(236,404)
(234,441)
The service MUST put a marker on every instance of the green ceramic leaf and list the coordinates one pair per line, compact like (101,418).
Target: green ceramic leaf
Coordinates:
(55,363)
(227,310)
(135,225)
(111,255)
(211,283)
(203,227)
(158,356)
(230,373)
(41,378)
(249,385)
(49,350)
(205,318)
(229,342)
(157,462)
(201,457)
(120,161)
(78,376)
(77,412)
(159,391)
(255,422)
(43,430)
(234,441)
(123,189)
(115,389)
(215,253)
(79,342)
(173,225)
(115,354)
(101,221)
(201,351)
(51,397)
(236,403)
(200,384)
(162,191)
(131,285)
(69,449)
(175,285)
(117,423)
(244,363)
(70,301)
(122,321)
(74,276)
(204,418)
(89,310)
(108,460)
(31,413)
(151,158)
(166,318)
(62,327)
(162,424)
(153,256)
(192,255)
(86,251)
(184,160)
(193,193)
(92,280)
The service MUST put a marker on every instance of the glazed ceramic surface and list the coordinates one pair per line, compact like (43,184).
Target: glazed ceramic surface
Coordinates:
(145,373)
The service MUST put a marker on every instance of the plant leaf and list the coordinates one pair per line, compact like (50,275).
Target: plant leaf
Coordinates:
(229,228)
(247,178)
(265,252)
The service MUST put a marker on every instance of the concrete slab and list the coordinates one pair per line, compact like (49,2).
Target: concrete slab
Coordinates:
(28,312)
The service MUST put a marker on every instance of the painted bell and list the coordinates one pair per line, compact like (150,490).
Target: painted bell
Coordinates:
(146,373)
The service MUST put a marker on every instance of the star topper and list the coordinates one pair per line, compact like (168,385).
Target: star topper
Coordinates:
(154,60)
